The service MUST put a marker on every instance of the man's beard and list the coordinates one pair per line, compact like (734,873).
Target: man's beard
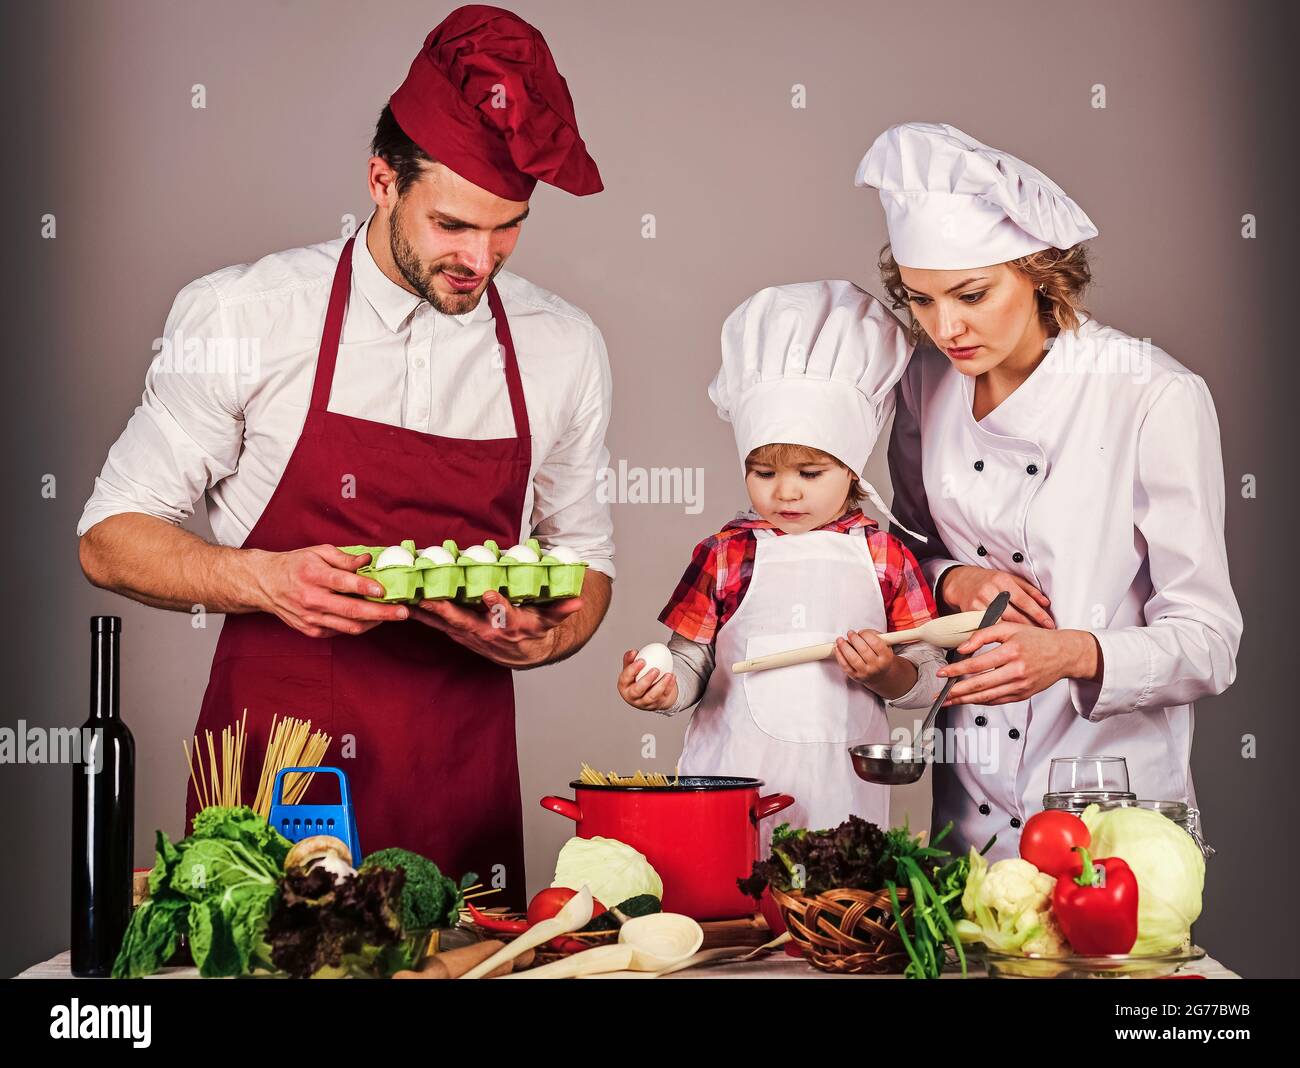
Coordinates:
(420,278)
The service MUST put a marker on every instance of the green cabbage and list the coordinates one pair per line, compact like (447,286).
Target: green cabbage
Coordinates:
(614,871)
(1169,867)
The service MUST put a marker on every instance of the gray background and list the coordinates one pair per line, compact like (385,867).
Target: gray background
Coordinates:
(687,109)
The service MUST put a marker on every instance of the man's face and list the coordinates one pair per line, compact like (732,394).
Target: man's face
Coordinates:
(450,237)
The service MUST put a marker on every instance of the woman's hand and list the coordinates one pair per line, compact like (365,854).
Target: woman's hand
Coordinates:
(654,693)
(865,658)
(970,589)
(1027,661)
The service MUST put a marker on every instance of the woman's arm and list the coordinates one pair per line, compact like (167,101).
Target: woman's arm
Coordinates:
(1188,647)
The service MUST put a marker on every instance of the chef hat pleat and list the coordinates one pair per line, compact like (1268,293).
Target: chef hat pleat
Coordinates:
(953,203)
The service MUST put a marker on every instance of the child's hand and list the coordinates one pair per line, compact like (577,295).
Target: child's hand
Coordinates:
(864,657)
(654,693)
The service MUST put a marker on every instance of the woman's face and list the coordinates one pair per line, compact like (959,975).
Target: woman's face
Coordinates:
(979,317)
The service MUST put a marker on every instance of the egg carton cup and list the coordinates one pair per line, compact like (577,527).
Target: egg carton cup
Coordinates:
(467,580)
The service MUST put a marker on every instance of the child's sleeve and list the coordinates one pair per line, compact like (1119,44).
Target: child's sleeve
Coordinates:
(692,666)
(909,603)
(692,611)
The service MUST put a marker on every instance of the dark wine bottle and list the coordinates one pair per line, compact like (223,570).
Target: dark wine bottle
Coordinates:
(103,813)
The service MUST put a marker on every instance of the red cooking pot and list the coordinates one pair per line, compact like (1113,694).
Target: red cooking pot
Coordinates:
(700,834)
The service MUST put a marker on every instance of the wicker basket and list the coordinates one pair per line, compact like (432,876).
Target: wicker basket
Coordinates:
(852,932)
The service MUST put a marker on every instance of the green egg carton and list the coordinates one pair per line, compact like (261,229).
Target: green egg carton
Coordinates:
(400,583)
(441,582)
(467,580)
(481,577)
(563,580)
(525,581)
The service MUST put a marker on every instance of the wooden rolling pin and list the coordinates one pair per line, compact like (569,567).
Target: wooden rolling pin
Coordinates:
(947,632)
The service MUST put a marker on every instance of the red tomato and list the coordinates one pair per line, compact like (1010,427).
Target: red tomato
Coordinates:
(549,901)
(1048,842)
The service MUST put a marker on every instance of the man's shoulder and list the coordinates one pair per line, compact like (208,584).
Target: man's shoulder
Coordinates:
(274,277)
(525,299)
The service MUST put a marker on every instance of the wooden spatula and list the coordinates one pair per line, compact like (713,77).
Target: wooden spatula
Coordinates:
(947,632)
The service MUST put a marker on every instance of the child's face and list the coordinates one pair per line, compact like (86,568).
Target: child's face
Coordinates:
(800,497)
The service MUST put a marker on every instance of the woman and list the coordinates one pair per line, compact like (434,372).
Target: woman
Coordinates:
(1048,455)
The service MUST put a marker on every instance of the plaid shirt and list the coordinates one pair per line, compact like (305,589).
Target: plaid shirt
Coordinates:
(715,581)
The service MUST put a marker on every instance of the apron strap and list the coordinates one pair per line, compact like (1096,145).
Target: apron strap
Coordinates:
(329,341)
(514,384)
(327,355)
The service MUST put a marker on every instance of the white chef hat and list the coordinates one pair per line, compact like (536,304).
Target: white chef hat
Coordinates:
(953,203)
(814,364)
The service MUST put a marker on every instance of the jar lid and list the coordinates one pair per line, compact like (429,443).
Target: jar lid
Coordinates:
(1078,800)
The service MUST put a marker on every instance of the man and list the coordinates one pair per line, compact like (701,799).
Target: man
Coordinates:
(391,400)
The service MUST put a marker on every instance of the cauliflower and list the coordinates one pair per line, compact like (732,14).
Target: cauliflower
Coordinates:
(1008,907)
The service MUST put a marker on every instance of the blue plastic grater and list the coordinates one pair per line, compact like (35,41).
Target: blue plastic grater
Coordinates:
(297,822)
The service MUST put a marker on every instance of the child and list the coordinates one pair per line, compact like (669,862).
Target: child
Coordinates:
(807,380)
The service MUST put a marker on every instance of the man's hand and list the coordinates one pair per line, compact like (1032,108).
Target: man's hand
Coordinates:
(308,589)
(516,636)
(970,589)
(654,693)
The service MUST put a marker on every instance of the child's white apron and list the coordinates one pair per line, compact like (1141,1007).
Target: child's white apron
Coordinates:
(792,726)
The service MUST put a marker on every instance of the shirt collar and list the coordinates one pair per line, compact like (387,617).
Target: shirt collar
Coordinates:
(854,517)
(391,302)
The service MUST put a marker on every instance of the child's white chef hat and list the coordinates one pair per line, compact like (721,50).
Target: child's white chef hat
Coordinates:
(953,203)
(814,364)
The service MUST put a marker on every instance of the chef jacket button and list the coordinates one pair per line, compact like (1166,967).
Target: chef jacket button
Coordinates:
(1018,557)
(981,721)
(1014,733)
(982,551)
(1032,469)
(979,465)
(1015,821)
(984,808)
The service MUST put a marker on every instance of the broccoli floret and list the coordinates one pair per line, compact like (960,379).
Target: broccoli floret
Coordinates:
(428,898)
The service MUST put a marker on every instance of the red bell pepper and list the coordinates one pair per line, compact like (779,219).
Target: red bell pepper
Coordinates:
(1098,908)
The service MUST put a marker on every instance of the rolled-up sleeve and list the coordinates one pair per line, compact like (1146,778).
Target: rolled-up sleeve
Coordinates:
(1188,647)
(187,431)
(567,504)
(910,504)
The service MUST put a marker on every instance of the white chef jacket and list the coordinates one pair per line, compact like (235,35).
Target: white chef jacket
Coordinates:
(219,423)
(1099,480)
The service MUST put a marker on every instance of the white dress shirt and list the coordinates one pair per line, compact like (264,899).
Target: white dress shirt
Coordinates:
(227,395)
(1100,481)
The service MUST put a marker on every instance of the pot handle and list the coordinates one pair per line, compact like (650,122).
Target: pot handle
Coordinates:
(769,805)
(565,807)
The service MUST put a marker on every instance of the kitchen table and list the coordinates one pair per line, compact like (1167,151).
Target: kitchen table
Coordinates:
(773,966)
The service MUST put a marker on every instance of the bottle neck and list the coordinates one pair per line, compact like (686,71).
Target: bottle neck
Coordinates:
(105,692)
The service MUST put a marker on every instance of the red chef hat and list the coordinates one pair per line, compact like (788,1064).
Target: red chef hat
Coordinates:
(484,98)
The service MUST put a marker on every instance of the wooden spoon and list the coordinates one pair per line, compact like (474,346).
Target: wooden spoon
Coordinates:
(575,915)
(947,632)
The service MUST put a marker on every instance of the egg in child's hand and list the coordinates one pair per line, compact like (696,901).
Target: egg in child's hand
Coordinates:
(522,554)
(564,554)
(438,555)
(480,554)
(655,655)
(394,556)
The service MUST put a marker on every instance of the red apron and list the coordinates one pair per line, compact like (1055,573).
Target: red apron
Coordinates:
(423,728)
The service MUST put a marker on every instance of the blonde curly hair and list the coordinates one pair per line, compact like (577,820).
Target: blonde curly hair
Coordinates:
(1059,277)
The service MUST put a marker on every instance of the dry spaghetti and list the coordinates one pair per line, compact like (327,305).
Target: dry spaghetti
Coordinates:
(591,777)
(292,744)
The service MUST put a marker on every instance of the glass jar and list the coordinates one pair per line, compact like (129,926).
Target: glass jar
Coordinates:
(1183,814)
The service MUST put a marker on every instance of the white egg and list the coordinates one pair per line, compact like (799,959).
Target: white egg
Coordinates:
(655,655)
(438,555)
(480,554)
(395,556)
(564,554)
(523,554)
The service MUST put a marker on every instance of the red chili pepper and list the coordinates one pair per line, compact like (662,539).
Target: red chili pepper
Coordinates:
(498,924)
(1098,908)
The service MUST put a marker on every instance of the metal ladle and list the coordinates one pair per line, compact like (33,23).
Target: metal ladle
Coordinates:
(887,764)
